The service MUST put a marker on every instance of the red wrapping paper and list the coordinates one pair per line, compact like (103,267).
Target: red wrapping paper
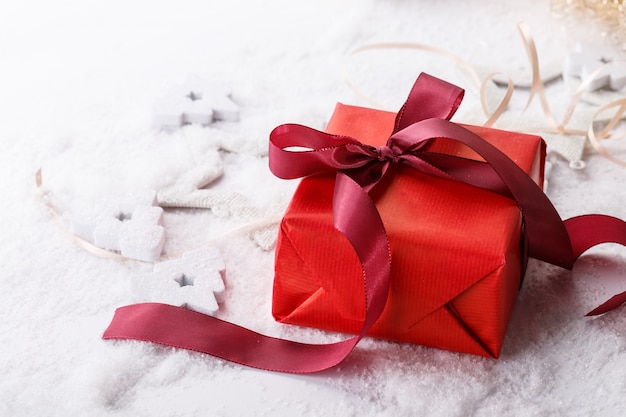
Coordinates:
(456,250)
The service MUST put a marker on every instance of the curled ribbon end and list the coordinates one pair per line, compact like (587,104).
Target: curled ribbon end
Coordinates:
(612,303)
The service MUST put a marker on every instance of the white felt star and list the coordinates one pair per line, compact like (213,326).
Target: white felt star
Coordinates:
(130,224)
(196,101)
(587,58)
(193,281)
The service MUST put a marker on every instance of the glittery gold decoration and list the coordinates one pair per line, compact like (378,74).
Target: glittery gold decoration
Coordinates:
(607,16)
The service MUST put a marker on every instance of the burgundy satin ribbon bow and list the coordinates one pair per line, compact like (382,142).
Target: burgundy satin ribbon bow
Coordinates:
(358,169)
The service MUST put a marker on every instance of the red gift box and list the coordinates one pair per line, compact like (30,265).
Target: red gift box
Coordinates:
(415,240)
(456,249)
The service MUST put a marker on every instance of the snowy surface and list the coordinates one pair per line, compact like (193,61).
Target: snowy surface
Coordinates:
(78,80)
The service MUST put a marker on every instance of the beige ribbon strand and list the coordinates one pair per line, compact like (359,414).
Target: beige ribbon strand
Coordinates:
(250,228)
(404,45)
(88,246)
(594,138)
(537,90)
(501,108)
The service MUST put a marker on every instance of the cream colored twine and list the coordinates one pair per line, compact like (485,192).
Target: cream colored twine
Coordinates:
(537,89)
(606,133)
(246,228)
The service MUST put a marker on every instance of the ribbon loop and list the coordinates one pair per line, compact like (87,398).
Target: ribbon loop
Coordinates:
(430,97)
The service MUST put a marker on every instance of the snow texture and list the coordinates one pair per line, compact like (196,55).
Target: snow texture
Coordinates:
(77,84)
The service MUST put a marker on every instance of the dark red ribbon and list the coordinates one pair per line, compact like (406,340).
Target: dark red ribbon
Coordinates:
(358,169)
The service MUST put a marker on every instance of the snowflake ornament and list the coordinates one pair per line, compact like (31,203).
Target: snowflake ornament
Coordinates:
(194,281)
(195,102)
(187,191)
(130,224)
(588,58)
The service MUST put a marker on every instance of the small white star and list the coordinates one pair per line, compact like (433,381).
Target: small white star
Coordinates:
(587,58)
(130,224)
(193,281)
(195,102)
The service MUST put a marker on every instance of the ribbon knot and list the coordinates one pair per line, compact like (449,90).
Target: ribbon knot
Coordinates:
(386,153)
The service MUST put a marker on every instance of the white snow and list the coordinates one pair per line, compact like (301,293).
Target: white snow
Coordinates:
(78,81)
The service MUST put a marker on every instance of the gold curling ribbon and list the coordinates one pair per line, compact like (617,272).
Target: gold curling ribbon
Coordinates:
(501,108)
(594,138)
(537,89)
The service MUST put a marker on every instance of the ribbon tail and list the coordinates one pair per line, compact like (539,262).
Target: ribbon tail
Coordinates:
(475,173)
(593,229)
(355,216)
(612,303)
(547,236)
(182,328)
